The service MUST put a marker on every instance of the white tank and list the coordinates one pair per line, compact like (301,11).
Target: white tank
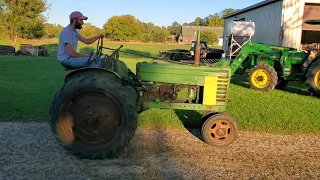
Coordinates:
(241,28)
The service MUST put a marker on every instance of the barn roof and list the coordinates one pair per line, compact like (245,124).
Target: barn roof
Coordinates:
(255,6)
(190,30)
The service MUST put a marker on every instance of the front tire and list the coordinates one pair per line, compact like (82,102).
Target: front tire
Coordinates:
(93,117)
(263,77)
(313,79)
(219,129)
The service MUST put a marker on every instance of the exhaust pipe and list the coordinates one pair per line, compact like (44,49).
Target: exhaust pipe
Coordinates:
(197,50)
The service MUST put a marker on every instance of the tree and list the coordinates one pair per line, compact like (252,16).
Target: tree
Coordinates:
(52,31)
(146,31)
(175,28)
(88,30)
(23,18)
(160,34)
(227,11)
(214,20)
(33,30)
(211,20)
(209,37)
(197,21)
(122,28)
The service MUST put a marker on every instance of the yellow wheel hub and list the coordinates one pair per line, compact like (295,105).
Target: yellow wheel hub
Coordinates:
(260,78)
(317,79)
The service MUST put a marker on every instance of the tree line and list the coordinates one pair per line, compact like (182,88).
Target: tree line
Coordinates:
(24,19)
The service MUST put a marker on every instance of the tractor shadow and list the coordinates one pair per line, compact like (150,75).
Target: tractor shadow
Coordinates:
(149,149)
(293,87)
(191,121)
(131,53)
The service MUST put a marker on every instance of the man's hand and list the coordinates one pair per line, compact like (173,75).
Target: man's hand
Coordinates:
(101,36)
(91,40)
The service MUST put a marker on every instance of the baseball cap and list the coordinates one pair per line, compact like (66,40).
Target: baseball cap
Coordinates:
(77,14)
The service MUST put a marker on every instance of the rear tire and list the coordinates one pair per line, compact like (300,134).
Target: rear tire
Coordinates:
(263,77)
(313,79)
(93,117)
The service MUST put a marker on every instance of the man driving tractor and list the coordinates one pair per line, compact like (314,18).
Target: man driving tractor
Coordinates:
(68,43)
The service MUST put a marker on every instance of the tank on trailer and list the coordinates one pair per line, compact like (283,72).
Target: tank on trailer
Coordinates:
(241,28)
(239,33)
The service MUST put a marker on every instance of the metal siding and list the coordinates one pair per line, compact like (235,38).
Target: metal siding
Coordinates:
(267,20)
(293,11)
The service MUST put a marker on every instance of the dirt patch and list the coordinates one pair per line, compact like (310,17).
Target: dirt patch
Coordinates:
(29,151)
(173,154)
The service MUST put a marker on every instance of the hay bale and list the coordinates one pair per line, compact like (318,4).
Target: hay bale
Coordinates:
(29,50)
(7,50)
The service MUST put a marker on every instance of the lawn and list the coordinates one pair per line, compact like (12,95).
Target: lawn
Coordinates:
(28,84)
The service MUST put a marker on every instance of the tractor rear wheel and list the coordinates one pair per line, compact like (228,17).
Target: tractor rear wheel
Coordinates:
(263,77)
(219,129)
(313,79)
(93,117)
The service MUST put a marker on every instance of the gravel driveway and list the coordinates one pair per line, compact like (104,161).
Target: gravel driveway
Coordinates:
(28,151)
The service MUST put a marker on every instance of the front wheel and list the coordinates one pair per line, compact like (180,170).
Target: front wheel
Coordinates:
(93,117)
(313,79)
(219,130)
(263,77)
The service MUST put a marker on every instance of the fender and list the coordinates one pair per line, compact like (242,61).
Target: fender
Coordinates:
(94,72)
(316,59)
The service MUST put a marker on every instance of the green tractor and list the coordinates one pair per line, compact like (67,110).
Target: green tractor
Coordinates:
(95,113)
(274,66)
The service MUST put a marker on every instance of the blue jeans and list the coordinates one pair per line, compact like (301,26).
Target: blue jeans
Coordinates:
(80,62)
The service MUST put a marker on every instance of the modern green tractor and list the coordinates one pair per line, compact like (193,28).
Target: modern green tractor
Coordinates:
(95,113)
(274,66)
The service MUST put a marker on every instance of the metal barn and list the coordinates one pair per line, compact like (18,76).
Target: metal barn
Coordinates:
(280,22)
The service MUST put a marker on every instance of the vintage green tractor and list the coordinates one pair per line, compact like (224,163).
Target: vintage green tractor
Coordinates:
(95,113)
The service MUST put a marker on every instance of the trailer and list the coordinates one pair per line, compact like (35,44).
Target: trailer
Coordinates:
(206,53)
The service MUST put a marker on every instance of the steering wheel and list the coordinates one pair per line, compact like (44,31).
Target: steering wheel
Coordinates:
(98,52)
(99,48)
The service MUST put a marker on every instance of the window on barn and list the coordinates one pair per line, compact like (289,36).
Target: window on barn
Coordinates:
(240,19)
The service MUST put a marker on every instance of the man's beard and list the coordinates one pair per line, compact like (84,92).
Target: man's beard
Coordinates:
(77,25)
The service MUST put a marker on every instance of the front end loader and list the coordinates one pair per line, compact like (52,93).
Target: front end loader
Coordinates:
(275,66)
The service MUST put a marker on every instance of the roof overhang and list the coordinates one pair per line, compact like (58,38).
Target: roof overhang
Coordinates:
(255,6)
(313,21)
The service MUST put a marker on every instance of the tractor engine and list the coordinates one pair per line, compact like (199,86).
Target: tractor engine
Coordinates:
(167,92)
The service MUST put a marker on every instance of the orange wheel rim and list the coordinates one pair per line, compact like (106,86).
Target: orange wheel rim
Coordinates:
(220,131)
(64,130)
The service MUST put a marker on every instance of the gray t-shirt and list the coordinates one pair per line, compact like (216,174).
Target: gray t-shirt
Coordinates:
(67,35)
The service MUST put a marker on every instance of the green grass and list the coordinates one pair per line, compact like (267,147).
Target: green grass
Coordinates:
(28,85)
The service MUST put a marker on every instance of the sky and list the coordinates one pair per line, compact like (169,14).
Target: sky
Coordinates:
(159,12)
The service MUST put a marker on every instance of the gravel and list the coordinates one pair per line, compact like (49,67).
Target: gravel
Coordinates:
(29,151)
